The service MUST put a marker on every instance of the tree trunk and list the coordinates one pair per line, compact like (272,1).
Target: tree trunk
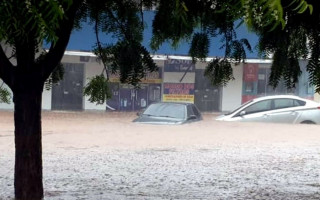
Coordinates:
(28,159)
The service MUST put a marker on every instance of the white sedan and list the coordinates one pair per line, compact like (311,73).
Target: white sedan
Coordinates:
(276,109)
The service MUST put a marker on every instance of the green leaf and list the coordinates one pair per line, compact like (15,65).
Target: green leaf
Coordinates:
(311,9)
(302,2)
(199,46)
(98,90)
(219,72)
(303,8)
(5,96)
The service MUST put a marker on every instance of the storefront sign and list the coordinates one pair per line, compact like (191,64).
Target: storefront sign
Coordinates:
(250,72)
(173,65)
(151,77)
(178,92)
(178,98)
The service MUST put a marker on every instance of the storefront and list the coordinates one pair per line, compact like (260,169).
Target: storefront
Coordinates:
(256,82)
(125,97)
(178,85)
(178,79)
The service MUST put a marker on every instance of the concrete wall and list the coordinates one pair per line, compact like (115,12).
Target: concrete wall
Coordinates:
(232,93)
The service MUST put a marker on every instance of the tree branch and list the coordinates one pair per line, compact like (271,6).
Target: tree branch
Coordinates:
(56,52)
(121,26)
(100,51)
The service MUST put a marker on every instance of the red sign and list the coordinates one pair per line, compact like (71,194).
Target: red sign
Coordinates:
(178,92)
(250,72)
(246,98)
(178,88)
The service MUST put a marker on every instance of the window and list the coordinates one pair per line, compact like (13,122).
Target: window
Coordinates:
(166,110)
(287,103)
(262,81)
(190,111)
(309,88)
(259,107)
(195,111)
(249,87)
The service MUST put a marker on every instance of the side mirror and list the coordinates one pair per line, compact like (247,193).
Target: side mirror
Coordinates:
(242,113)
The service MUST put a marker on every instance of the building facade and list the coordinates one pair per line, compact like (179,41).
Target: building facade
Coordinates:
(178,79)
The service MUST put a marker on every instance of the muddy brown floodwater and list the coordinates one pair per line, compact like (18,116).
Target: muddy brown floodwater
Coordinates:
(102,155)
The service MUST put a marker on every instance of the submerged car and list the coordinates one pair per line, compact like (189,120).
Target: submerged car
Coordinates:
(169,113)
(276,109)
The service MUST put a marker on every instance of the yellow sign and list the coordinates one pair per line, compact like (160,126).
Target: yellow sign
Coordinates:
(151,77)
(178,98)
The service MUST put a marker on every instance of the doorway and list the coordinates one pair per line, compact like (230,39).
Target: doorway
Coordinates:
(67,94)
(206,97)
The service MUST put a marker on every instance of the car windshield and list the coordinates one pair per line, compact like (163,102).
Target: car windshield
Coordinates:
(166,110)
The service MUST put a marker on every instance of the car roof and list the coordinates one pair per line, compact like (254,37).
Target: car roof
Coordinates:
(278,97)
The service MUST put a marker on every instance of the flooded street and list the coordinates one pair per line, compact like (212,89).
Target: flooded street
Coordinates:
(99,155)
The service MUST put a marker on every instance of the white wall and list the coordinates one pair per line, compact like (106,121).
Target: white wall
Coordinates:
(175,77)
(232,93)
(316,97)
(46,100)
(92,68)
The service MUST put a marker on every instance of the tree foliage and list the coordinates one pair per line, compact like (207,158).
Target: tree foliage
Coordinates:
(55,77)
(219,72)
(272,13)
(196,21)
(98,90)
(297,39)
(4,94)
(26,24)
(39,19)
(288,30)
(199,46)
(199,21)
(127,57)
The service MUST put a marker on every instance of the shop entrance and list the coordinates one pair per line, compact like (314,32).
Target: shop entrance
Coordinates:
(67,94)
(206,97)
(131,98)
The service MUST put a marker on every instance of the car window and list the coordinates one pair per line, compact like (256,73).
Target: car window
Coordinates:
(258,107)
(239,108)
(301,103)
(287,103)
(195,111)
(190,111)
(166,110)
